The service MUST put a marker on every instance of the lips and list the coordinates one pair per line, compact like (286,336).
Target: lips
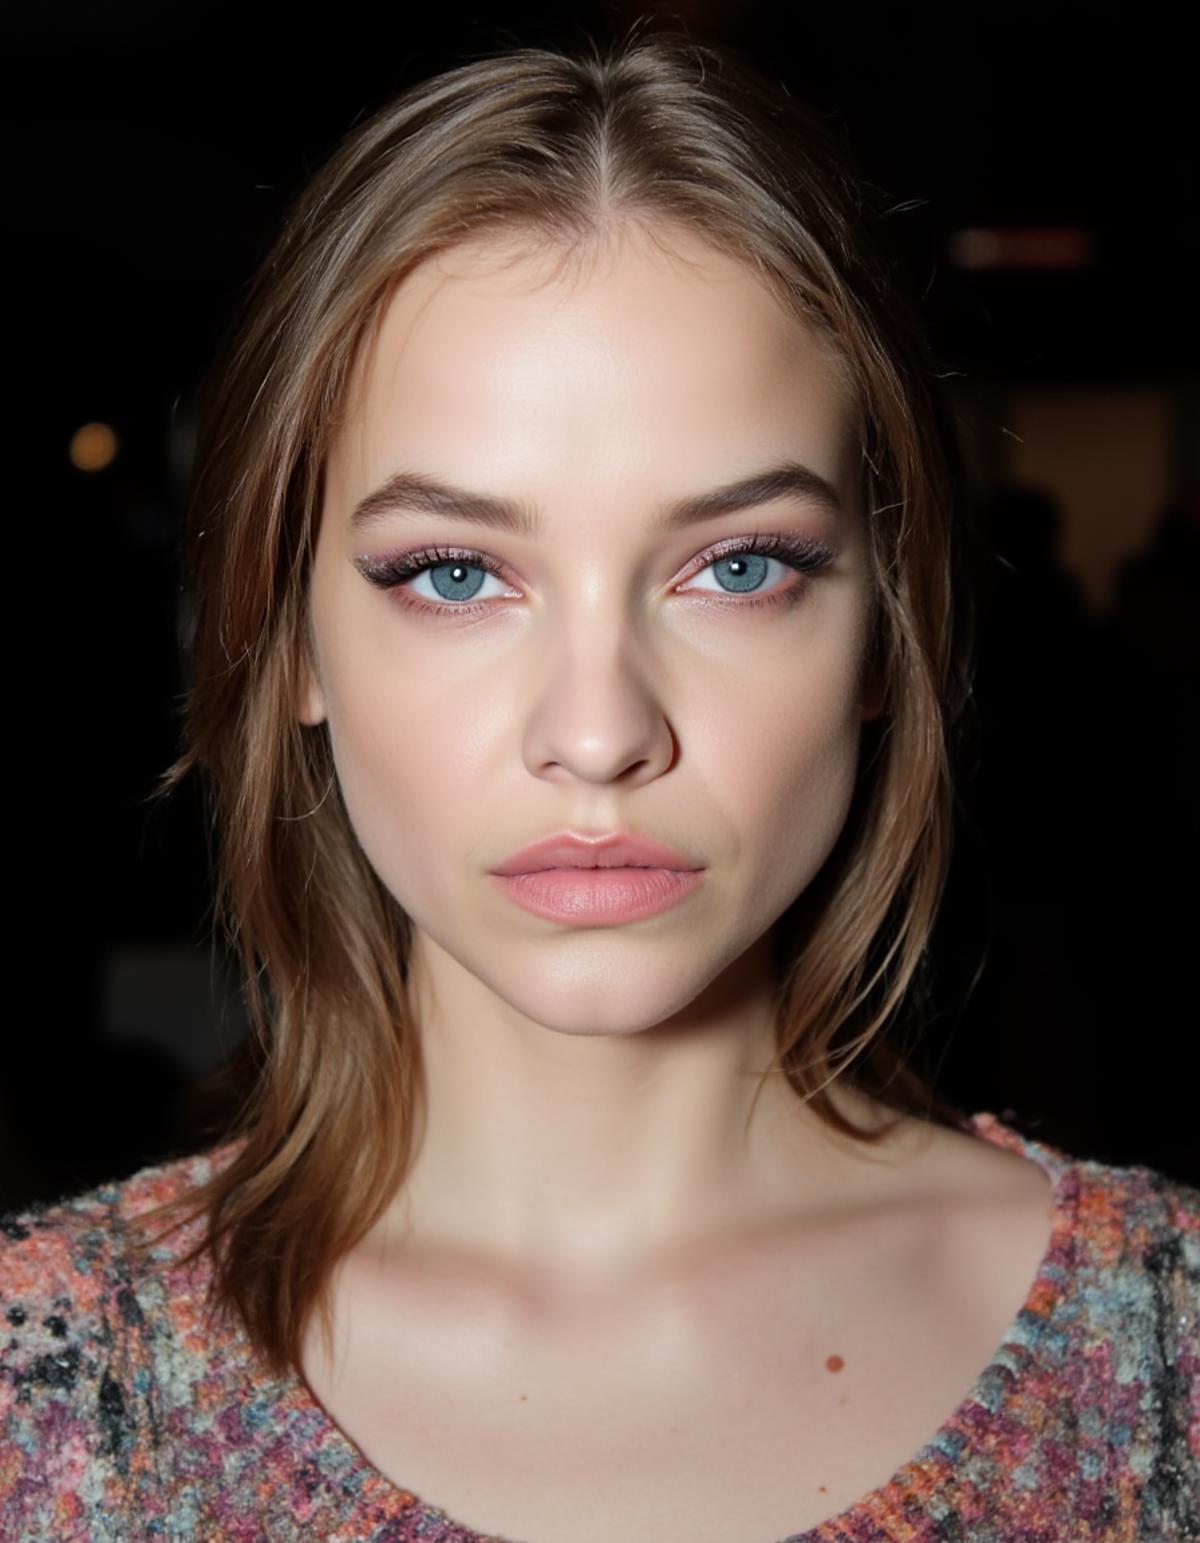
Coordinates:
(618,850)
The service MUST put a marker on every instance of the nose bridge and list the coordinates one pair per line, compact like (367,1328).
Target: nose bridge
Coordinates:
(592,626)
(596,707)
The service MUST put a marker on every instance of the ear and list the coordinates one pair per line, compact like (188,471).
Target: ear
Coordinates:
(310,699)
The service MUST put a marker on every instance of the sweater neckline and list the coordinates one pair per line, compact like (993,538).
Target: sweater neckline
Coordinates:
(968,1425)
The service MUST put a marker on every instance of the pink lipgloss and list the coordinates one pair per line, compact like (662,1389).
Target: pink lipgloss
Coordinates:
(598,896)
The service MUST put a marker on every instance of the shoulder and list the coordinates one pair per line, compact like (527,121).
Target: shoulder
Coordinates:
(72,1251)
(1114,1224)
(1128,1326)
(1112,1324)
(1135,1264)
(76,1354)
(1109,1252)
(1127,1220)
(1098,1376)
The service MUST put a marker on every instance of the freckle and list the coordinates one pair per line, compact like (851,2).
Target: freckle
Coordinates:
(821,1487)
(834,1363)
(524,1398)
(842,1400)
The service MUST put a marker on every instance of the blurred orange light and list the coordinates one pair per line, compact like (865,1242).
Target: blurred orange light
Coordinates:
(93,447)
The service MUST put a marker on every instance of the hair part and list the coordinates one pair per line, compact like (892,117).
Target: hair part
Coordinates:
(564,150)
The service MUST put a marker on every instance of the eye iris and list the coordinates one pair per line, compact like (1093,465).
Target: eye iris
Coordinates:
(746,570)
(461,587)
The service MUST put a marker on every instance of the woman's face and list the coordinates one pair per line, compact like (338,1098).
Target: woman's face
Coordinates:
(601,659)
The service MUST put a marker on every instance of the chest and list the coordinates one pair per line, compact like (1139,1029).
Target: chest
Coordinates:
(742,1403)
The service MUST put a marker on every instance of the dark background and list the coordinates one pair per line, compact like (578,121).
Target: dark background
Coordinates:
(151,152)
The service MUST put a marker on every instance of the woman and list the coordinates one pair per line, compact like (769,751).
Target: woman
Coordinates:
(578,645)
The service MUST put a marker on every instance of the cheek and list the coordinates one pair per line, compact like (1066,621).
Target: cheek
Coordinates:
(787,766)
(407,757)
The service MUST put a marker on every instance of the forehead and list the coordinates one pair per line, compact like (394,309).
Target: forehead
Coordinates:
(507,347)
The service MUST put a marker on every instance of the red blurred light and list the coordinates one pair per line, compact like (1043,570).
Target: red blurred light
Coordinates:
(1030,247)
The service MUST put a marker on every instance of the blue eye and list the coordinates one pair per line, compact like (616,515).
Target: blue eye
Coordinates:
(741,566)
(456,580)
(743,573)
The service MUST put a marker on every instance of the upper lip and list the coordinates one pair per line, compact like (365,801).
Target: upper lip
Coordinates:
(620,849)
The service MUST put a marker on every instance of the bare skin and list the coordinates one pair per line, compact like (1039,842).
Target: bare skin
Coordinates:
(744,1390)
(607,1298)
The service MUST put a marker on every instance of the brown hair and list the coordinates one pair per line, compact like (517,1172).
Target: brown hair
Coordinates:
(559,146)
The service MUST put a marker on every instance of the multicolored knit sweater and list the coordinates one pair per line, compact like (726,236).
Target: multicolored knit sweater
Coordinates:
(123,1418)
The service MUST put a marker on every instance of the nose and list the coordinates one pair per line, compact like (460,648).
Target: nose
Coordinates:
(594,713)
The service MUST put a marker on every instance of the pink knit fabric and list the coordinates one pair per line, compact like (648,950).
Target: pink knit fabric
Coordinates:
(123,1418)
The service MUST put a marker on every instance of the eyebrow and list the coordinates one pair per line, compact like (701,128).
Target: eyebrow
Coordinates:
(412,493)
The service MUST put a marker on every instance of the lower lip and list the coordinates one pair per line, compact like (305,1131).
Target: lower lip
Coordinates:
(599,896)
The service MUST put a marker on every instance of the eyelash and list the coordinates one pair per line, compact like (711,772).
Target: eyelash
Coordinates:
(801,553)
